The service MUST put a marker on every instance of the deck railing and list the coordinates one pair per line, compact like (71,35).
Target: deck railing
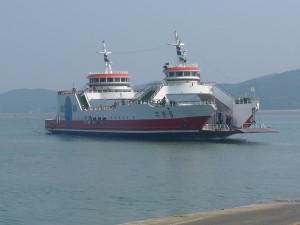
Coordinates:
(135,102)
(185,103)
(245,100)
(182,66)
(254,126)
(216,127)
(113,72)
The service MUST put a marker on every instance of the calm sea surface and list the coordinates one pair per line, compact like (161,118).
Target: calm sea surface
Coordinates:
(58,179)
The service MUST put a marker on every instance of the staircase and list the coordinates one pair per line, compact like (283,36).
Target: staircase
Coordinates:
(147,96)
(82,100)
(147,92)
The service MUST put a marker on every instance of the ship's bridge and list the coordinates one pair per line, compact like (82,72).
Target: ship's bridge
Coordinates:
(109,79)
(115,79)
(182,72)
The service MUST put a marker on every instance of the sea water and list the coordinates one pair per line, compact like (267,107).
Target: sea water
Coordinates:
(60,179)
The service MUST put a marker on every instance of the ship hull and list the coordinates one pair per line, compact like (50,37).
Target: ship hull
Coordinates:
(163,136)
(160,129)
(130,119)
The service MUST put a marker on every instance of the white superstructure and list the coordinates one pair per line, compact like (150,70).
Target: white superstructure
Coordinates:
(184,79)
(180,107)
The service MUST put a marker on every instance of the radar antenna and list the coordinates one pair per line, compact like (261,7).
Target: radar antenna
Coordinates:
(181,54)
(107,62)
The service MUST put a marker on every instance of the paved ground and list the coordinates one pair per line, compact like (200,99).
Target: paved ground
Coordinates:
(258,214)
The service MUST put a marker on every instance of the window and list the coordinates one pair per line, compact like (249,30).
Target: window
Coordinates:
(117,79)
(171,74)
(102,80)
(110,80)
(123,80)
(96,80)
(186,73)
(178,74)
(194,74)
(91,80)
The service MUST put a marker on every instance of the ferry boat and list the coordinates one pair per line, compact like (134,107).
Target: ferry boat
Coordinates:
(181,106)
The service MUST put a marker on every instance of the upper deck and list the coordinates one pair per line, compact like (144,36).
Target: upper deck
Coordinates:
(182,72)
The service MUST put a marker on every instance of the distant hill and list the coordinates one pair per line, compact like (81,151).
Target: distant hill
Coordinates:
(28,100)
(275,91)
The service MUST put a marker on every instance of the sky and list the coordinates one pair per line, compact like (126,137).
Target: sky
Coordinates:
(53,44)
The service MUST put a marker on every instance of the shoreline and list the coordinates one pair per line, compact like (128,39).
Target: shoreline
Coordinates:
(254,214)
(279,111)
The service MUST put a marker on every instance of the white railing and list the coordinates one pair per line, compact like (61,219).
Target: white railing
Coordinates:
(254,126)
(157,90)
(135,102)
(245,100)
(113,72)
(145,90)
(185,103)
(182,66)
(216,127)
(108,90)
(220,88)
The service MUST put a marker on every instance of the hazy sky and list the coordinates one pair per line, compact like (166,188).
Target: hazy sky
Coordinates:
(52,44)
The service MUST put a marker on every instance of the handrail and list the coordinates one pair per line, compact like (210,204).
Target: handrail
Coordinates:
(65,92)
(113,72)
(183,103)
(245,100)
(141,92)
(157,90)
(137,102)
(182,66)
(253,125)
(222,89)
(216,127)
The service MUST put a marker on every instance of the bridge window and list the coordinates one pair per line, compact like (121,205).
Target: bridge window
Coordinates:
(117,79)
(178,74)
(110,80)
(96,80)
(187,73)
(102,80)
(171,74)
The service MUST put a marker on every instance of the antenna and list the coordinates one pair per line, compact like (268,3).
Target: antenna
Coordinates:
(181,55)
(107,62)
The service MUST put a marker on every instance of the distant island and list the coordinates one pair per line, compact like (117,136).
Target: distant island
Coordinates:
(28,100)
(275,91)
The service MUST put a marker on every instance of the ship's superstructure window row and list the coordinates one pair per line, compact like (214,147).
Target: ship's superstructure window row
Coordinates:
(183,73)
(109,80)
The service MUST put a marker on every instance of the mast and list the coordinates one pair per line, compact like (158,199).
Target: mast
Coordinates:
(181,54)
(107,62)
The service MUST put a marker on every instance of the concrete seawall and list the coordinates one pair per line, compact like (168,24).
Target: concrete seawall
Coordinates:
(257,214)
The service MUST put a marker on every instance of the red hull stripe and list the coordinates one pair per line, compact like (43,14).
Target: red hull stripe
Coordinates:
(248,121)
(183,124)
